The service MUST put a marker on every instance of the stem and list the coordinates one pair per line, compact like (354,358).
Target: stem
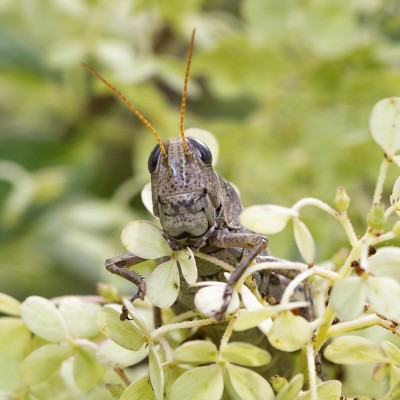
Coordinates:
(84,342)
(322,332)
(293,285)
(182,325)
(390,325)
(316,323)
(121,373)
(381,179)
(311,201)
(304,275)
(341,217)
(326,273)
(169,355)
(287,265)
(228,331)
(312,376)
(182,317)
(213,260)
(364,322)
(344,219)
(389,211)
(348,326)
(353,255)
(383,238)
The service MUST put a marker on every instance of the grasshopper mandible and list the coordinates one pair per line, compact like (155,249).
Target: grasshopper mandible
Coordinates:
(196,208)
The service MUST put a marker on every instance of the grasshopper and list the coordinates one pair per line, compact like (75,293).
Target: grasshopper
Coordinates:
(196,208)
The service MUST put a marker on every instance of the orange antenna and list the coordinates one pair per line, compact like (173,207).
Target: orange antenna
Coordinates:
(128,103)
(184,93)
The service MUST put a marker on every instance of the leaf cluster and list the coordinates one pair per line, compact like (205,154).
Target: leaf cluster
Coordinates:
(288,85)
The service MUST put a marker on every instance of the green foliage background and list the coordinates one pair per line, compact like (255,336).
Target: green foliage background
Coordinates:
(286,87)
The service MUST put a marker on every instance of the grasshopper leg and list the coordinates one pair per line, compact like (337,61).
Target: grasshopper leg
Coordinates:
(119,266)
(256,244)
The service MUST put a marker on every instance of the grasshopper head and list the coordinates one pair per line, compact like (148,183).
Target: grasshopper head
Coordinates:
(184,189)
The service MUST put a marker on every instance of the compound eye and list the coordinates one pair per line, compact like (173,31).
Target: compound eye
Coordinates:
(154,159)
(201,150)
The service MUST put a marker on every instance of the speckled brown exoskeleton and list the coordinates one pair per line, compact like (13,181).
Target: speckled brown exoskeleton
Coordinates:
(196,208)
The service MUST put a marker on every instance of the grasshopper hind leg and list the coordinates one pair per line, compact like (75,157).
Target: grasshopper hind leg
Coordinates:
(120,266)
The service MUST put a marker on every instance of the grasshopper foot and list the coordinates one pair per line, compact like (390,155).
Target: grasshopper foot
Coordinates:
(226,300)
(139,295)
(124,314)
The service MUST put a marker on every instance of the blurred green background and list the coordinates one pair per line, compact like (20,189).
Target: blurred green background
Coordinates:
(286,87)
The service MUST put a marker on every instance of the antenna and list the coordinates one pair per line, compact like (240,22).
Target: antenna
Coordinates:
(184,94)
(129,104)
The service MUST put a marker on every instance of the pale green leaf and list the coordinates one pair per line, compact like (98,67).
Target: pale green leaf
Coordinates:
(245,354)
(395,197)
(14,336)
(251,303)
(329,390)
(147,198)
(80,317)
(87,370)
(393,393)
(124,333)
(292,389)
(267,219)
(115,389)
(209,300)
(385,125)
(384,295)
(10,377)
(6,395)
(171,373)
(139,390)
(386,262)
(163,284)
(43,363)
(353,350)
(250,319)
(44,319)
(329,31)
(348,298)
(289,332)
(115,356)
(196,351)
(392,352)
(268,17)
(304,241)
(394,375)
(156,373)
(187,263)
(137,317)
(248,384)
(202,383)
(9,305)
(144,239)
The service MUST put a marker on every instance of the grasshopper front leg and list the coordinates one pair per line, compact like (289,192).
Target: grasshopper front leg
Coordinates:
(119,266)
(225,239)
